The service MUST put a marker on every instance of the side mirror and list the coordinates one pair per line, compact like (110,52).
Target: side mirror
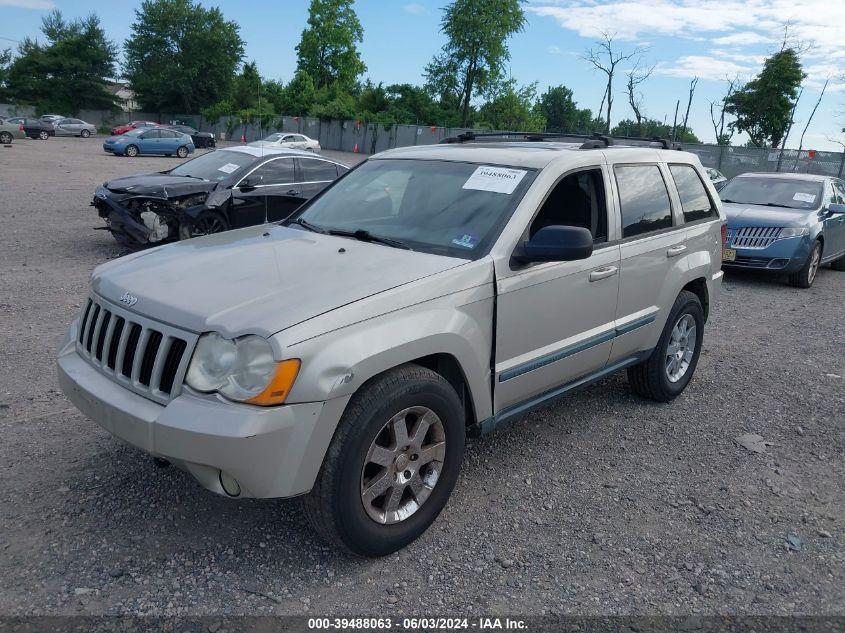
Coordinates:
(556,244)
(835,208)
(250,182)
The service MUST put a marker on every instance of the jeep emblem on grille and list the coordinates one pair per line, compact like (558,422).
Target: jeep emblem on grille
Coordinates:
(128,299)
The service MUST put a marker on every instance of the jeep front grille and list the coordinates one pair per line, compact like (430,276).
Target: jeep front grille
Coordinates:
(755,236)
(147,357)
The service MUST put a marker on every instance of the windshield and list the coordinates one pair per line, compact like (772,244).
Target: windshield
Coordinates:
(273,138)
(217,165)
(441,207)
(775,192)
(133,133)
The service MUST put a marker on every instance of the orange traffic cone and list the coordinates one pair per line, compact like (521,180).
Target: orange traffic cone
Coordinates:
(355,150)
(243,138)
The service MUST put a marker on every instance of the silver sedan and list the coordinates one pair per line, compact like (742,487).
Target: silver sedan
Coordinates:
(288,140)
(74,127)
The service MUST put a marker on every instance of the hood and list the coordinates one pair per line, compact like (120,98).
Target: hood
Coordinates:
(159,185)
(740,215)
(259,280)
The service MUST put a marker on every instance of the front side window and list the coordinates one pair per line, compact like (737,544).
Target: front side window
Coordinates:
(695,202)
(317,170)
(643,198)
(276,172)
(839,186)
(151,134)
(789,193)
(441,207)
(577,200)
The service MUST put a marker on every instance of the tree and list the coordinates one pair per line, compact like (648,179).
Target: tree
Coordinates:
(692,86)
(472,60)
(652,128)
(637,76)
(604,58)
(67,73)
(810,120)
(723,133)
(328,49)
(299,95)
(181,56)
(5,65)
(246,87)
(762,107)
(562,114)
(512,108)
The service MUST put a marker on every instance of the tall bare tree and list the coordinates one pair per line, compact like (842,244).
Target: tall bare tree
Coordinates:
(636,76)
(810,120)
(789,128)
(604,58)
(719,127)
(692,85)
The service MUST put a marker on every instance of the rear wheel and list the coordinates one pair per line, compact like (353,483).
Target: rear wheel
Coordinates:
(43,135)
(805,277)
(85,133)
(669,368)
(182,152)
(392,464)
(5,138)
(131,151)
(205,223)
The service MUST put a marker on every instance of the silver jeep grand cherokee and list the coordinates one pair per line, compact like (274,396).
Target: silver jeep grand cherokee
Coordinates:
(430,293)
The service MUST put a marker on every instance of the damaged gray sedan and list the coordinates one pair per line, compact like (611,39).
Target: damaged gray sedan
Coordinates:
(221,190)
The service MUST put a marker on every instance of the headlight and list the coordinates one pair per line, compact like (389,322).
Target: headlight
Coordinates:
(241,369)
(793,232)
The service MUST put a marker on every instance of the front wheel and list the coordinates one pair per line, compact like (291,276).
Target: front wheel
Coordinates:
(43,135)
(85,133)
(5,138)
(131,151)
(667,371)
(805,277)
(182,152)
(392,464)
(205,223)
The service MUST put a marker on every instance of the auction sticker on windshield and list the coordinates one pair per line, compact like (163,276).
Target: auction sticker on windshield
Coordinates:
(228,168)
(804,197)
(495,179)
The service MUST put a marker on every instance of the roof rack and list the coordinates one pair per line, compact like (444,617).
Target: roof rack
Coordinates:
(588,141)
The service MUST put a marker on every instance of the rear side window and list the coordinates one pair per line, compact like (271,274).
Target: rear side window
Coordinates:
(643,198)
(317,170)
(695,202)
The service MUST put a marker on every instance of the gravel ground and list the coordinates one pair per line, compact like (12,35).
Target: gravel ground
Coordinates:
(603,504)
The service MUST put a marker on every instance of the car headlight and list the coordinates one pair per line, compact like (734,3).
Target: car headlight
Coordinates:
(242,369)
(797,231)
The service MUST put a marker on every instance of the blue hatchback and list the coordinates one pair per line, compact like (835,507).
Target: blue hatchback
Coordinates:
(785,223)
(150,141)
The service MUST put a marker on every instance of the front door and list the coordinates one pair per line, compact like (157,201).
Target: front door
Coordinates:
(555,321)
(249,204)
(280,185)
(834,224)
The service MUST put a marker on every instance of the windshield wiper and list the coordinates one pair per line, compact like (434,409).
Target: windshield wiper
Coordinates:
(307,225)
(365,236)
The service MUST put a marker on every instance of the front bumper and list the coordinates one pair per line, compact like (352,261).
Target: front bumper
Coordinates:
(126,229)
(269,451)
(783,256)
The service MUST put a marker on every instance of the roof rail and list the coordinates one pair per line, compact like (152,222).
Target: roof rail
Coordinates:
(588,141)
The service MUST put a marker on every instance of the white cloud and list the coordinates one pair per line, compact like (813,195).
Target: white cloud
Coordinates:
(745,38)
(416,9)
(705,67)
(28,4)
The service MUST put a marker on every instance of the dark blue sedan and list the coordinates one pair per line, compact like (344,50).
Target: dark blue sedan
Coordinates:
(785,223)
(150,141)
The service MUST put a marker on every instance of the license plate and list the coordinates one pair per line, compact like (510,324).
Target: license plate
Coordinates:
(728,254)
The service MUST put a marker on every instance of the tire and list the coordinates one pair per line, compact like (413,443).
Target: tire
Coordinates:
(85,133)
(805,277)
(655,378)
(337,508)
(182,152)
(131,151)
(838,264)
(206,223)
(43,135)
(5,138)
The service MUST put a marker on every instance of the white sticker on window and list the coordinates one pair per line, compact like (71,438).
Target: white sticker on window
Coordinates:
(804,197)
(228,168)
(495,179)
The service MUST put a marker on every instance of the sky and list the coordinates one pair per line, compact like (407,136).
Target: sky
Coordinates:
(710,39)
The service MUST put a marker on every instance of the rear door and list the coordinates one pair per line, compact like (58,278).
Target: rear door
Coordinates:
(171,141)
(281,190)
(652,265)
(834,224)
(315,174)
(64,127)
(149,142)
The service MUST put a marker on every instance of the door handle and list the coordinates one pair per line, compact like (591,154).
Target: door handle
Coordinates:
(292,192)
(675,251)
(603,273)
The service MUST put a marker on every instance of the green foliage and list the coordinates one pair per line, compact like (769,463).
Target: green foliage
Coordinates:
(5,65)
(339,105)
(246,87)
(181,56)
(328,49)
(763,106)
(512,108)
(472,60)
(67,73)
(213,114)
(299,95)
(653,128)
(562,114)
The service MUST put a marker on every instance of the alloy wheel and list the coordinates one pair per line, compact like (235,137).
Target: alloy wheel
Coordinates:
(814,264)
(681,348)
(403,465)
(206,225)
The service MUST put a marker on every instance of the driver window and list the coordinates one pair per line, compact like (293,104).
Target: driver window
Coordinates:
(276,172)
(839,188)
(577,200)
(831,194)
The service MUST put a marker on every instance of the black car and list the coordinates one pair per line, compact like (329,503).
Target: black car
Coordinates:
(36,128)
(221,190)
(200,139)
